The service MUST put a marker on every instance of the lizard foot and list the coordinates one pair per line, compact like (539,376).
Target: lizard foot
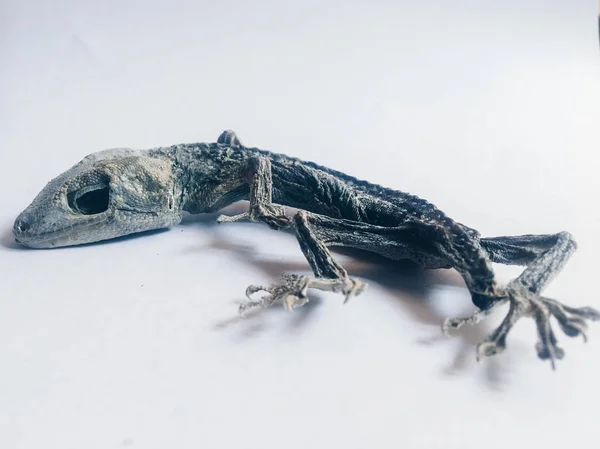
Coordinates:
(271,214)
(293,292)
(524,303)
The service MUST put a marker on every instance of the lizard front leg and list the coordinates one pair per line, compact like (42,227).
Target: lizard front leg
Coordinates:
(329,275)
(261,197)
(316,232)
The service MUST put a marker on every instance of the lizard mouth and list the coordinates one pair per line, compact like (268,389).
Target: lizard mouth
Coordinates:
(68,235)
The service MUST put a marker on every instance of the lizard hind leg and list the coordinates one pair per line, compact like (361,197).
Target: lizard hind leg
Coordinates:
(523,295)
(329,275)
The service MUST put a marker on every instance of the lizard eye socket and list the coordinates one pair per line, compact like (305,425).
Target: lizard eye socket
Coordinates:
(90,200)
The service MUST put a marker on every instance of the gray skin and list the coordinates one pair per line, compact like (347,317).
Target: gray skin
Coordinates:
(121,191)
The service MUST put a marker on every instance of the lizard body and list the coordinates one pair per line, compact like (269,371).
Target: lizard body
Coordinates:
(121,191)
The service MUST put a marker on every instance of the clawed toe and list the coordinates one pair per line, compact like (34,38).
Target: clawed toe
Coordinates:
(456,323)
(545,353)
(355,288)
(573,325)
(292,293)
(453,324)
(253,289)
(292,301)
(523,303)
(489,348)
(547,346)
(232,218)
(252,303)
(584,312)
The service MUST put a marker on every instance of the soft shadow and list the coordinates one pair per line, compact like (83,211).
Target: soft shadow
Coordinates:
(405,281)
(412,287)
(8,241)
(255,320)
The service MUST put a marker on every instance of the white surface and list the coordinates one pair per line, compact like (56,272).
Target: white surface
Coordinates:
(489,109)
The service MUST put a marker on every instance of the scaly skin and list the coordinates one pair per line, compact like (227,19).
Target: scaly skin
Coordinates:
(119,192)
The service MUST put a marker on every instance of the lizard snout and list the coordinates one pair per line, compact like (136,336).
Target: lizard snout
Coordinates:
(22,225)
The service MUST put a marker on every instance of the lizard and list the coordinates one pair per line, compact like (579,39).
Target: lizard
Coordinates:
(117,192)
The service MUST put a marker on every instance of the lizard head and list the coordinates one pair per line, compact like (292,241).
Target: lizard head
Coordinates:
(108,194)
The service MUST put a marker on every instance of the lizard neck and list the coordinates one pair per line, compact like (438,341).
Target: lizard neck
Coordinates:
(209,176)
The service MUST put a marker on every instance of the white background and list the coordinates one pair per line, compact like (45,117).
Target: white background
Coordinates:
(489,109)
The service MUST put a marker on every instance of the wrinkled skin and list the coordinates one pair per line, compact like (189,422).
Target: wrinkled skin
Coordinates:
(108,194)
(118,192)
